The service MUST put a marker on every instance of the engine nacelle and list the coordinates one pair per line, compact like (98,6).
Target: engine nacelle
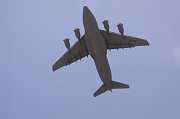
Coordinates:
(106,25)
(77,33)
(120,28)
(67,43)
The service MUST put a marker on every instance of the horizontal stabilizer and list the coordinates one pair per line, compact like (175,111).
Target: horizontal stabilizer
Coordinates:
(101,90)
(117,85)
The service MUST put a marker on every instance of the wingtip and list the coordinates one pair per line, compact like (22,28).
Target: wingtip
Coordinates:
(148,44)
(53,69)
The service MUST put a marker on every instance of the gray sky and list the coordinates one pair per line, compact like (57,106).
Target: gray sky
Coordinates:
(31,33)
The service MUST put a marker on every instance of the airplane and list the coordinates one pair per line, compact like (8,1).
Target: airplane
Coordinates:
(95,42)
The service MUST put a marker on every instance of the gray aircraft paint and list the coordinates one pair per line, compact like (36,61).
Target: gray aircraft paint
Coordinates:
(97,47)
(96,42)
(32,33)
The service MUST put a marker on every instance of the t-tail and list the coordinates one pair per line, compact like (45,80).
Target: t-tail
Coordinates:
(115,85)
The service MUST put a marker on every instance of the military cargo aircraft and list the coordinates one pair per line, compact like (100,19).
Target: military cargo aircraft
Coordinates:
(95,42)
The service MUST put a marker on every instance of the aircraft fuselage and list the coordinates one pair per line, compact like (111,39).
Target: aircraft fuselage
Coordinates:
(96,46)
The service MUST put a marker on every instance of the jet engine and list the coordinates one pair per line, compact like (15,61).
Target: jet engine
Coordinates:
(67,43)
(120,28)
(106,25)
(77,33)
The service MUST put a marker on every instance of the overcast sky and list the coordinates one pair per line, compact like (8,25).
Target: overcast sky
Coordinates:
(32,33)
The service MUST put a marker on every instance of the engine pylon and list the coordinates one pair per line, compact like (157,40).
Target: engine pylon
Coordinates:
(77,33)
(106,25)
(120,28)
(67,43)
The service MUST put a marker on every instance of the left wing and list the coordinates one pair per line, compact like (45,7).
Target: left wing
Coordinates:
(76,52)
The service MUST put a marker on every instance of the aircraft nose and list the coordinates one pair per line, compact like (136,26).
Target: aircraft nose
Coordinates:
(86,14)
(86,10)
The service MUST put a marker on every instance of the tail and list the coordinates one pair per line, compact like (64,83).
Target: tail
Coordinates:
(115,85)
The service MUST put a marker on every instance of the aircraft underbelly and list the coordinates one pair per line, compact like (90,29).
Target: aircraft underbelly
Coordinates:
(98,51)
(103,69)
(95,44)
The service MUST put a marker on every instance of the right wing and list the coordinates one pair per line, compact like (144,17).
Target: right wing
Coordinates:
(116,41)
(77,51)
